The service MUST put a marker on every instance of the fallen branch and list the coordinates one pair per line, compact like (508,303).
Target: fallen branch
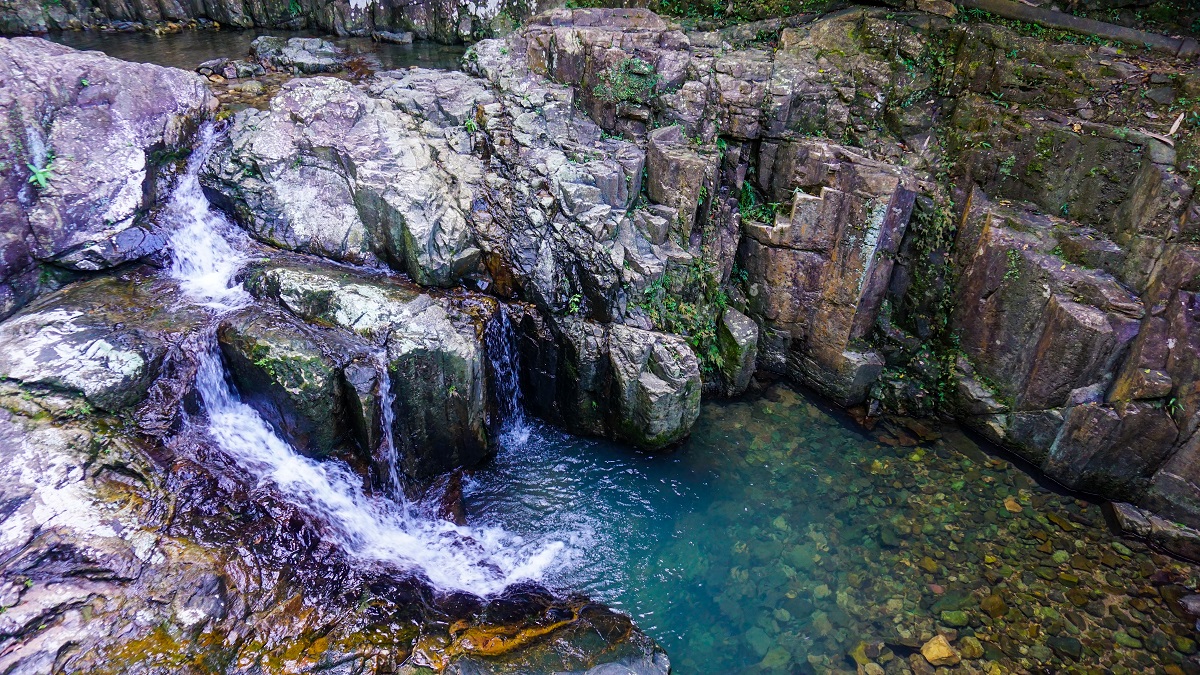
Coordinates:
(1075,24)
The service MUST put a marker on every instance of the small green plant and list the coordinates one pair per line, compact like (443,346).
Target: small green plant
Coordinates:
(688,302)
(754,207)
(575,303)
(83,82)
(1174,406)
(82,409)
(470,125)
(631,80)
(1014,264)
(294,8)
(1006,166)
(42,175)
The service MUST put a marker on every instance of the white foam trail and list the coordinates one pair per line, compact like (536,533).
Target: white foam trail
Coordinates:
(387,414)
(202,260)
(481,560)
(501,347)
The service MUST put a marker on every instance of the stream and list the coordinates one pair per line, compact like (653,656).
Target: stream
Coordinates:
(778,533)
(780,537)
(479,560)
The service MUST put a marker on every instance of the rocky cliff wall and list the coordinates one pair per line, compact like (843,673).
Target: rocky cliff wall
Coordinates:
(449,21)
(909,212)
(919,213)
(914,213)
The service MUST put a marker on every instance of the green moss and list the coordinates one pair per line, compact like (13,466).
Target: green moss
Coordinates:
(688,302)
(631,80)
(737,11)
(753,207)
(1034,30)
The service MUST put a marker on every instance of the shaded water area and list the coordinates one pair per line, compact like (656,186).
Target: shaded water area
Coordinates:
(781,536)
(190,48)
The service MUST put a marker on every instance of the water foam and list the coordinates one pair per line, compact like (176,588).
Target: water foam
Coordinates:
(202,258)
(481,560)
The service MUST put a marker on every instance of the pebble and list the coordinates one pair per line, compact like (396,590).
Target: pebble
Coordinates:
(938,652)
(1126,640)
(854,547)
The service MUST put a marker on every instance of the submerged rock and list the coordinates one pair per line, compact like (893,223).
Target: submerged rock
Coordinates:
(938,652)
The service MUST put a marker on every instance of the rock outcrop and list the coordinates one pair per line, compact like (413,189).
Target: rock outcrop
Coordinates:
(87,141)
(332,171)
(449,21)
(1048,307)
(393,172)
(356,331)
(103,341)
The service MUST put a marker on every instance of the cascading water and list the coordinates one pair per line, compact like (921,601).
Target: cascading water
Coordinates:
(500,340)
(387,442)
(478,560)
(202,259)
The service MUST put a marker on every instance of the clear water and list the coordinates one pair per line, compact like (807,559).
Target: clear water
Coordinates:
(190,48)
(781,534)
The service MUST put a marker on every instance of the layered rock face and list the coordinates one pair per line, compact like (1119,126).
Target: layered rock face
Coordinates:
(1025,269)
(86,144)
(396,172)
(449,21)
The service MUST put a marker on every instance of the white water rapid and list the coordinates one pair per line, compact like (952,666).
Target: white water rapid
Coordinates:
(481,560)
(501,343)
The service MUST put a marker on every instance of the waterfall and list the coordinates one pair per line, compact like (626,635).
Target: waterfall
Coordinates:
(387,441)
(202,259)
(500,340)
(481,560)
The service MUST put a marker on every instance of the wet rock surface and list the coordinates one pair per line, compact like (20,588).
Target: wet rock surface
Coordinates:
(88,142)
(872,203)
(123,521)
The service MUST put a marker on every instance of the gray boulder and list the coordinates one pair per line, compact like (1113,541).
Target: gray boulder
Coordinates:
(331,171)
(292,374)
(298,55)
(432,349)
(737,340)
(85,140)
(656,387)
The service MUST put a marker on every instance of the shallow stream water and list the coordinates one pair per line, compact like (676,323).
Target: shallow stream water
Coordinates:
(782,534)
(190,48)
